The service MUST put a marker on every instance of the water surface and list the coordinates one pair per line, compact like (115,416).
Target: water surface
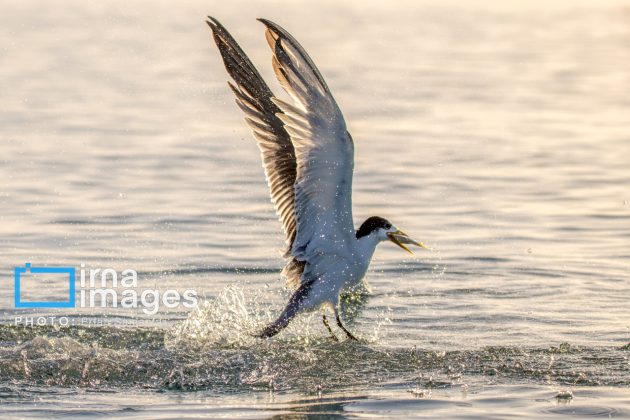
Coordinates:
(498,135)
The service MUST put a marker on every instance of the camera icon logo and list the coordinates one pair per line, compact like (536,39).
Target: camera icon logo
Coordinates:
(21,273)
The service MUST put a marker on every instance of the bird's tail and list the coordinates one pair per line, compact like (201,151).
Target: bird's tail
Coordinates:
(295,305)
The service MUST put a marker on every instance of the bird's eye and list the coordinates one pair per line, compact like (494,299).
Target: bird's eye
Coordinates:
(388,226)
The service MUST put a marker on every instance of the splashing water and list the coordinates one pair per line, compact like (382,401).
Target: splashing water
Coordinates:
(232,320)
(229,320)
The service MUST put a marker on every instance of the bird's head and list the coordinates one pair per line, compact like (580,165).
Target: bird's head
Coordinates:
(385,230)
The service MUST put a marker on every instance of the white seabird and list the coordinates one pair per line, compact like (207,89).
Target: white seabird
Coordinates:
(308,157)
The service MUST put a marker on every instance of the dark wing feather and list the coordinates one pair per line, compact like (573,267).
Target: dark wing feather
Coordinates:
(254,97)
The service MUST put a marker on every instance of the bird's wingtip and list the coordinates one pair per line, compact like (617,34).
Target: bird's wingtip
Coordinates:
(269,24)
(213,23)
(266,333)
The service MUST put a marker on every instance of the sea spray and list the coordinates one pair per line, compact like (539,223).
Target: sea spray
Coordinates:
(232,319)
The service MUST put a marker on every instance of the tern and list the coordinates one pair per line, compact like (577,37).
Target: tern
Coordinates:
(308,159)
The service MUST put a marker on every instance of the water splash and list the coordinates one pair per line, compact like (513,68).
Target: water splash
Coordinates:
(214,348)
(229,320)
(232,319)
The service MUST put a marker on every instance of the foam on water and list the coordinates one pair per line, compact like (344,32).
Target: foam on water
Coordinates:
(212,352)
(224,357)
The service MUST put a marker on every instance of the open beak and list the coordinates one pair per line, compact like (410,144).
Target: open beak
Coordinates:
(400,238)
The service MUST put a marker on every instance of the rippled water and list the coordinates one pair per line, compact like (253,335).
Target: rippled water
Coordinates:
(496,134)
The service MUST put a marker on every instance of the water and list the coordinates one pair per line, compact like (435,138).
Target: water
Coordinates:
(498,135)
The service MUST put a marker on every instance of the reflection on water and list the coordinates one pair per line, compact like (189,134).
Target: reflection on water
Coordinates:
(495,133)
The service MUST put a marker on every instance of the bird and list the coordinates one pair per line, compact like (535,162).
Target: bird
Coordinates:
(308,160)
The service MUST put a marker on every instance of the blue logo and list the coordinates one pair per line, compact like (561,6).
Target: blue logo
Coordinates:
(19,271)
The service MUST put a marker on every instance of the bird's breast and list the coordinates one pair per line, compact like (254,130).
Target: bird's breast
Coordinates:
(354,272)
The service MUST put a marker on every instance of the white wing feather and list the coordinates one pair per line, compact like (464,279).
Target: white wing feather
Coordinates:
(324,152)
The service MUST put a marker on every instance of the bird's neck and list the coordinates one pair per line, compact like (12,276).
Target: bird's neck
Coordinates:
(366,245)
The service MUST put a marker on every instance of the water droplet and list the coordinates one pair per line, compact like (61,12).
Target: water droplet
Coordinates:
(419,392)
(564,395)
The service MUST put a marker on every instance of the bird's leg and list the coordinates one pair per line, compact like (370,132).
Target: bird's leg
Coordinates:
(332,335)
(348,333)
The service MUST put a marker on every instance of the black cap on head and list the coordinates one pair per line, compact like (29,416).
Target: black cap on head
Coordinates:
(371,224)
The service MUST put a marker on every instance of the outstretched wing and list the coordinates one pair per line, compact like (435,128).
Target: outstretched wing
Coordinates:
(254,97)
(323,148)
